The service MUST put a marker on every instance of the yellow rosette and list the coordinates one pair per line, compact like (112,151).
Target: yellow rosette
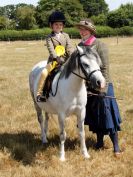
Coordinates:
(60,50)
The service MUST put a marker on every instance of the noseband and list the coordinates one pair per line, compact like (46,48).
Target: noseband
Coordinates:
(87,76)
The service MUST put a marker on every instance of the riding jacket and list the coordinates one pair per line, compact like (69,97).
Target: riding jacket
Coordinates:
(53,40)
(102,51)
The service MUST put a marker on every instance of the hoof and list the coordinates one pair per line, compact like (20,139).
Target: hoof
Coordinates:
(87,156)
(62,159)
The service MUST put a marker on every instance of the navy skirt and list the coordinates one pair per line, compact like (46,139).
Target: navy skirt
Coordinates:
(102,114)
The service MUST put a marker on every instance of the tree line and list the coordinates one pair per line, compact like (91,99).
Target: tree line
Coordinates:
(23,16)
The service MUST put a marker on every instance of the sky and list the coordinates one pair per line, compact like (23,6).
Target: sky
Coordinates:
(113,4)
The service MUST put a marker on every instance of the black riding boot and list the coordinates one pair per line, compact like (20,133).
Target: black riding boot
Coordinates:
(41,98)
(99,143)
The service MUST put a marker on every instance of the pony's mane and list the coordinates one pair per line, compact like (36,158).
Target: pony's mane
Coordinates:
(94,52)
(70,65)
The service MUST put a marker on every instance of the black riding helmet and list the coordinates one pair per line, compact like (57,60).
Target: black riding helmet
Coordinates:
(57,17)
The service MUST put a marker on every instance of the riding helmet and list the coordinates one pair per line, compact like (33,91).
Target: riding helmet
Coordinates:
(57,16)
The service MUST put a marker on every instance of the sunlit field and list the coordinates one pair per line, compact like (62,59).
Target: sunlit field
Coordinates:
(21,151)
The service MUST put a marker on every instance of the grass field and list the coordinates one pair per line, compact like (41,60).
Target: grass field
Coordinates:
(21,151)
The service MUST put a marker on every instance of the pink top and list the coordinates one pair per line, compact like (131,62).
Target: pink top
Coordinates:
(90,40)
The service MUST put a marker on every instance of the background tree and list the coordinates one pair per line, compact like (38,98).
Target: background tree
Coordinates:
(72,10)
(94,7)
(3,22)
(100,20)
(121,17)
(1,11)
(128,9)
(9,11)
(25,17)
(117,19)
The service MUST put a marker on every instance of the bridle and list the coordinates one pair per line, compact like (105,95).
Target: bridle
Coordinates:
(87,76)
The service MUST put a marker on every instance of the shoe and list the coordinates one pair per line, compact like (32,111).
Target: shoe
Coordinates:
(41,98)
(99,146)
(118,154)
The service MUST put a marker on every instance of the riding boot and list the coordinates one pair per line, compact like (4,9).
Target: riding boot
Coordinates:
(99,143)
(49,67)
(114,139)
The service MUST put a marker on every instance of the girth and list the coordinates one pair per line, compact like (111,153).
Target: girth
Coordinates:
(48,83)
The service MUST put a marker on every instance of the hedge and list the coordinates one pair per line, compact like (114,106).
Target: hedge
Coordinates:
(24,34)
(102,31)
(107,31)
(125,31)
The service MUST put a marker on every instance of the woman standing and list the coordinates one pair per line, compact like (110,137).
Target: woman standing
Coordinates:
(102,113)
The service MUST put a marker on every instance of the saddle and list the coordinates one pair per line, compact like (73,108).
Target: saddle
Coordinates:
(47,88)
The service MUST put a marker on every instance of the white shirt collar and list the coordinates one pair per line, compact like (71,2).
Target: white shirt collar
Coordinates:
(58,35)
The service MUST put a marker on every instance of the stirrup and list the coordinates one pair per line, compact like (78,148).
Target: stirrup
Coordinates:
(41,98)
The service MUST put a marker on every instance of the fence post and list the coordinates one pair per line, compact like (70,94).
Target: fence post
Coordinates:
(117,40)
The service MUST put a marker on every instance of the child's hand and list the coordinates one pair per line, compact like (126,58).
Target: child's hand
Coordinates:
(60,60)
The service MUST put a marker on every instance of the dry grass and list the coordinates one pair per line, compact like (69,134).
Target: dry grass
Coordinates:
(21,151)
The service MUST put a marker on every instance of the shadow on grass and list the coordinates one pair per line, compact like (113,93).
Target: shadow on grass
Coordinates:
(23,146)
(130,111)
(90,143)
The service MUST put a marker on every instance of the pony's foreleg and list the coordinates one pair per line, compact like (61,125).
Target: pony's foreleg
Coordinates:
(62,136)
(80,120)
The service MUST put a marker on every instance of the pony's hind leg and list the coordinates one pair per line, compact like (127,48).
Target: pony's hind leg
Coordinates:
(41,122)
(62,136)
(80,120)
(46,125)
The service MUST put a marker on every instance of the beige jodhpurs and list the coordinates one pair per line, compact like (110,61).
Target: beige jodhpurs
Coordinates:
(50,66)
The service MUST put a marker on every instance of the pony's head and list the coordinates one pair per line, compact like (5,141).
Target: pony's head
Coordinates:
(90,62)
(85,63)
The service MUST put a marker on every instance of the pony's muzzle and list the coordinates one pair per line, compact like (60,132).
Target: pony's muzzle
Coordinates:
(100,84)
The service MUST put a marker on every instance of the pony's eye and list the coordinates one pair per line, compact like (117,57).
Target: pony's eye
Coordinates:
(86,65)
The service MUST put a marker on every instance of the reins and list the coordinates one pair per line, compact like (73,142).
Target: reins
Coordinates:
(103,96)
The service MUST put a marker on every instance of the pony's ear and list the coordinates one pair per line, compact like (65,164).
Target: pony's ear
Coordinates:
(80,49)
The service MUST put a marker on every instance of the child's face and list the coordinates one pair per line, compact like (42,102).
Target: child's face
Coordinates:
(57,27)
(84,32)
